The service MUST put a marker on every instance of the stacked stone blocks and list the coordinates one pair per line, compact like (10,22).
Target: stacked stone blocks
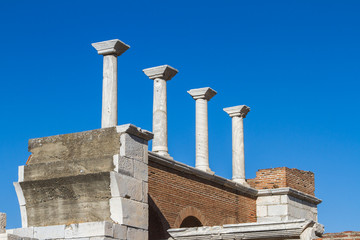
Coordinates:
(98,177)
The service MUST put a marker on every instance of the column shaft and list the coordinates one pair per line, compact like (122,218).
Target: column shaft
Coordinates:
(109,97)
(202,138)
(238,155)
(160,141)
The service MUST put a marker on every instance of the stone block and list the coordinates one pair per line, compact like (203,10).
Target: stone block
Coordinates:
(132,147)
(141,171)
(145,189)
(261,211)
(269,219)
(50,232)
(124,165)
(135,214)
(268,200)
(90,229)
(126,187)
(277,210)
(22,232)
(2,222)
(137,234)
(284,199)
(120,232)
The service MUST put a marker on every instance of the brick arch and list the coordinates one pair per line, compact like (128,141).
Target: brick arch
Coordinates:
(187,212)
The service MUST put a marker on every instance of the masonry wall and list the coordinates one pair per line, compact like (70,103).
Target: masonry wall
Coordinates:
(174,195)
(348,235)
(284,177)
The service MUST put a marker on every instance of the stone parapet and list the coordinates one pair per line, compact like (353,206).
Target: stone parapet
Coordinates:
(92,176)
(285,204)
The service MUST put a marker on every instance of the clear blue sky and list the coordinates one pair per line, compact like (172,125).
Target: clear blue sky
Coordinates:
(295,63)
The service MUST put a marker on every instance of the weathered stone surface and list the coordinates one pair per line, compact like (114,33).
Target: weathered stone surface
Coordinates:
(114,46)
(89,229)
(135,214)
(95,144)
(83,198)
(141,171)
(59,169)
(126,187)
(2,222)
(57,231)
(132,147)
(120,232)
(124,165)
(137,234)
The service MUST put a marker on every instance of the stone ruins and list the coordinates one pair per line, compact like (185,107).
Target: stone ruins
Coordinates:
(105,184)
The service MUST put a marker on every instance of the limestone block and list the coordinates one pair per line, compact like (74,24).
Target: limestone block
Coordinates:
(120,232)
(284,199)
(277,210)
(268,200)
(57,231)
(137,234)
(124,165)
(141,171)
(22,232)
(132,147)
(135,214)
(145,189)
(126,187)
(269,219)
(261,211)
(2,222)
(90,229)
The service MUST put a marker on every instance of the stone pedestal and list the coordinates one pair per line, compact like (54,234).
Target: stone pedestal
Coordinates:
(160,75)
(93,176)
(110,50)
(202,96)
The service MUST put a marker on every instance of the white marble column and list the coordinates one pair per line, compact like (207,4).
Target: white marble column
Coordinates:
(110,50)
(238,113)
(202,96)
(160,75)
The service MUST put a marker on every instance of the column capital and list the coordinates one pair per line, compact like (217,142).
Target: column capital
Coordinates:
(164,72)
(237,111)
(111,47)
(202,93)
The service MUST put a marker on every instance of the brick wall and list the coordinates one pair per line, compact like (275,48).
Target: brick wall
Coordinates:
(348,235)
(284,177)
(174,195)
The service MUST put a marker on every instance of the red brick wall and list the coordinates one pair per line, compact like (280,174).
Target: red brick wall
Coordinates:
(284,177)
(349,235)
(174,195)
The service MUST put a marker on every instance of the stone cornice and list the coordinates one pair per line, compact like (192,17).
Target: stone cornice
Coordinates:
(237,111)
(291,192)
(266,230)
(132,129)
(202,174)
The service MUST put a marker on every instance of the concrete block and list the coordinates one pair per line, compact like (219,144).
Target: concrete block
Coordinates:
(141,171)
(126,187)
(137,234)
(91,229)
(277,210)
(120,232)
(135,214)
(132,147)
(261,211)
(57,231)
(124,165)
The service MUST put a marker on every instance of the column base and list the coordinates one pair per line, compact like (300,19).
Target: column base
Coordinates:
(241,181)
(163,154)
(205,169)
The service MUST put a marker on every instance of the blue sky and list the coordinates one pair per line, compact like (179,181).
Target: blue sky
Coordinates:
(295,63)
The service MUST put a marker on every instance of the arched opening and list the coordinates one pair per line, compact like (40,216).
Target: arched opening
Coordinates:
(190,221)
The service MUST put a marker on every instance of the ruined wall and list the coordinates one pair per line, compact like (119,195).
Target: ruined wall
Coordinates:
(348,235)
(174,195)
(284,177)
